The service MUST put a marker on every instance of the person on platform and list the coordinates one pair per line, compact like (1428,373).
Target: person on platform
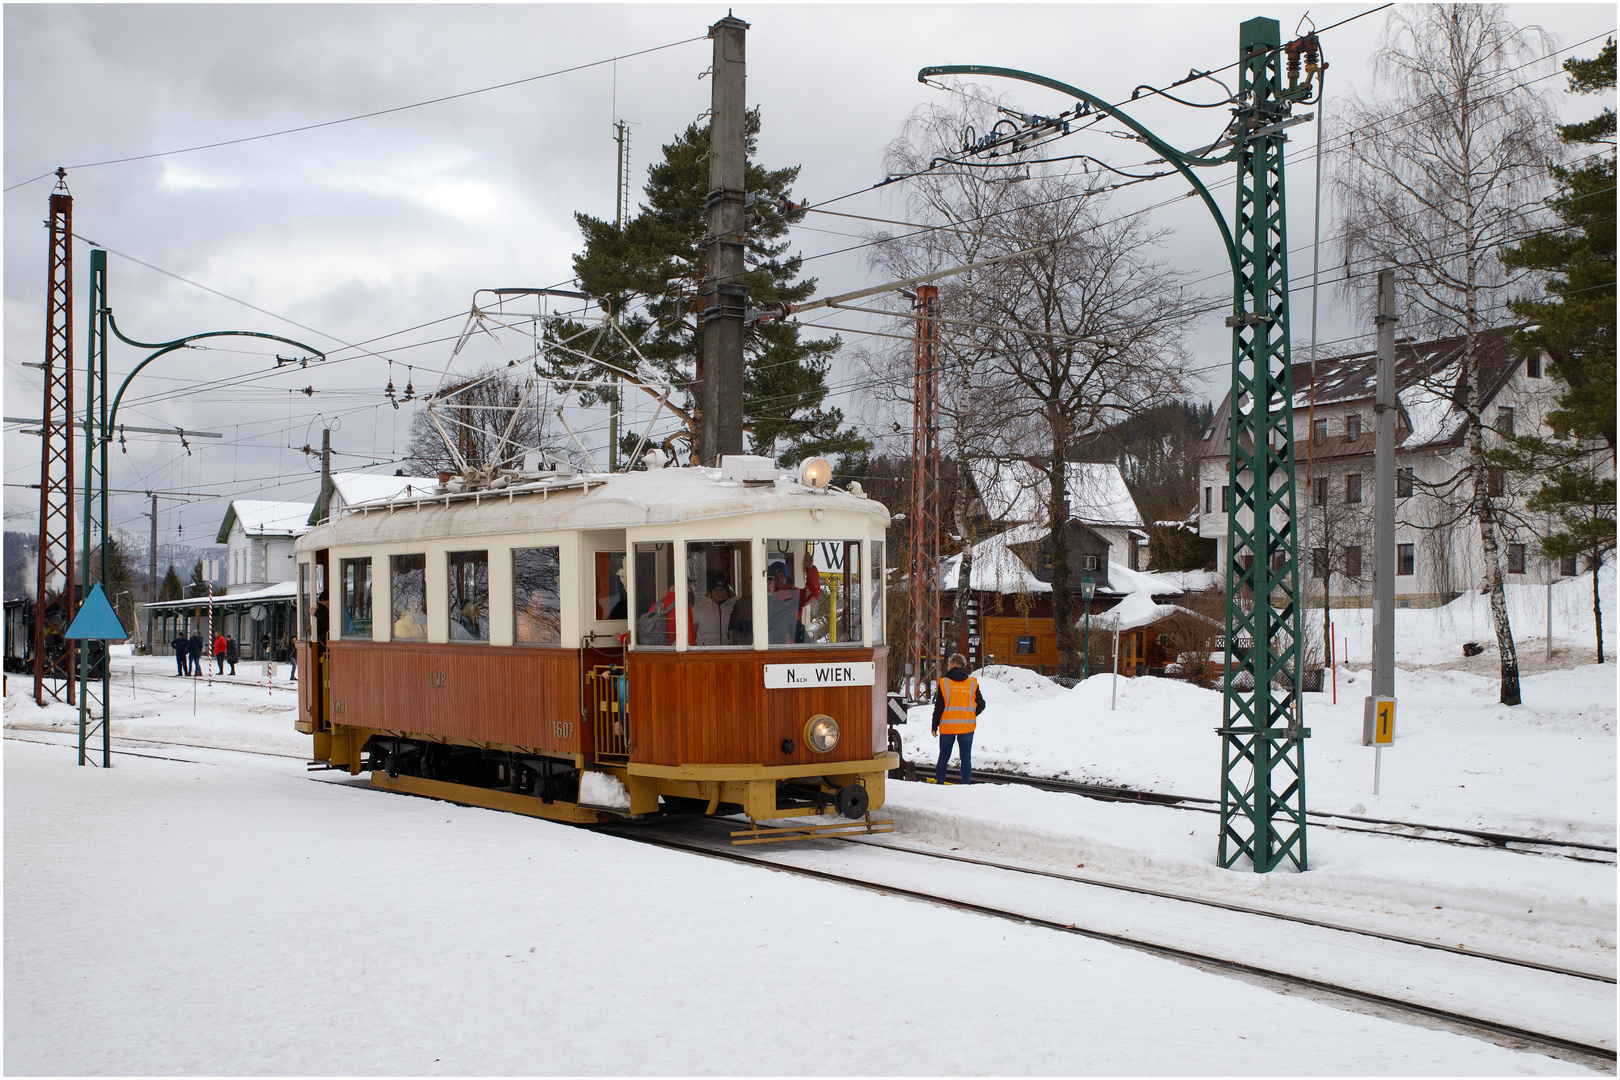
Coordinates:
(957,705)
(194,651)
(233,652)
(784,603)
(182,650)
(219,654)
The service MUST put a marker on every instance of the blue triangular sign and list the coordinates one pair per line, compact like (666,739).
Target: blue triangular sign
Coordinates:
(96,619)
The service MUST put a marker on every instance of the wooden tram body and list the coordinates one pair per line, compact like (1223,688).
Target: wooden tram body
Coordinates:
(492,645)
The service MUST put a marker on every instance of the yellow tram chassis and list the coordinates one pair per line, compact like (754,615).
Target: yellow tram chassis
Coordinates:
(488,798)
(753,787)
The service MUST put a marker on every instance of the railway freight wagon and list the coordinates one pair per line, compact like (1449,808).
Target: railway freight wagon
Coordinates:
(591,647)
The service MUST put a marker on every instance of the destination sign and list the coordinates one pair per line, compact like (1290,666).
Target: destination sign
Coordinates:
(793,676)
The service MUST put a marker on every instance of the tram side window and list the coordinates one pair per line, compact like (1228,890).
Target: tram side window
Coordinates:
(354,582)
(408,585)
(813,592)
(719,573)
(655,594)
(469,596)
(536,579)
(612,599)
(879,622)
(305,601)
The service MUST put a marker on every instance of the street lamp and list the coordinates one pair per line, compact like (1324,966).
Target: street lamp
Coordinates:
(1088,589)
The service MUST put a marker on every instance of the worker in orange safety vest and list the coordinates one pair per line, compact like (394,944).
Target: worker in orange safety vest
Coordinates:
(957,705)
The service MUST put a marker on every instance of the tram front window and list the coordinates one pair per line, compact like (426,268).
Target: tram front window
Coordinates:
(876,589)
(612,598)
(408,587)
(813,592)
(535,581)
(469,596)
(719,573)
(354,582)
(655,594)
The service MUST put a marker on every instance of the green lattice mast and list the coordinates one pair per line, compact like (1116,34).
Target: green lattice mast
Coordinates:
(1262,738)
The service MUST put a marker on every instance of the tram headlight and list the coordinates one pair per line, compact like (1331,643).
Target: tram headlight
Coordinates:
(821,733)
(815,473)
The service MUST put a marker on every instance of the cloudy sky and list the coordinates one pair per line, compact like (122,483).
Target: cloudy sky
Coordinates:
(368,238)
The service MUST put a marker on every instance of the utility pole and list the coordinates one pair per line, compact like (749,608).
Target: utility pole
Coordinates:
(151,571)
(323,501)
(56,455)
(621,207)
(725,295)
(924,585)
(1383,635)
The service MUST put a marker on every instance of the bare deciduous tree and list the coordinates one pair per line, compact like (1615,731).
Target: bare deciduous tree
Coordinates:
(1438,174)
(488,420)
(1057,344)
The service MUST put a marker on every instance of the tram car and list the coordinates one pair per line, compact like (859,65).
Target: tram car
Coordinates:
(598,647)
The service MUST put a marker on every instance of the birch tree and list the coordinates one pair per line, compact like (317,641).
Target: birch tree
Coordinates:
(1438,172)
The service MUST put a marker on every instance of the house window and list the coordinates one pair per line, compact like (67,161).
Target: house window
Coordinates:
(1318,563)
(1404,558)
(1352,561)
(1352,427)
(1088,562)
(1226,498)
(1318,432)
(1566,565)
(1278,561)
(1319,486)
(1209,500)
(1532,366)
(1495,482)
(1403,483)
(1352,487)
(1026,646)
(1504,421)
(1515,558)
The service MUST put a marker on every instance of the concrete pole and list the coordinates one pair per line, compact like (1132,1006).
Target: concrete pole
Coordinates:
(151,574)
(1383,636)
(720,378)
(324,499)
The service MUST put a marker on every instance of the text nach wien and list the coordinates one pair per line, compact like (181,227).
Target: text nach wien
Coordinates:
(794,676)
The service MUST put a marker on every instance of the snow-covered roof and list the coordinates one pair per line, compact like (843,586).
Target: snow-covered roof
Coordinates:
(1017,491)
(359,487)
(1139,608)
(281,590)
(263,518)
(996,567)
(585,501)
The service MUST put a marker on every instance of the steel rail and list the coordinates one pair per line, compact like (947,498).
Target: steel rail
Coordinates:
(1121,794)
(1168,951)
(1238,908)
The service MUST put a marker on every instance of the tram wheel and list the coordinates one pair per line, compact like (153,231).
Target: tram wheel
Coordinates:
(894,742)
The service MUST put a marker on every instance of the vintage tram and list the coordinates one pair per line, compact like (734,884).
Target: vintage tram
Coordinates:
(591,647)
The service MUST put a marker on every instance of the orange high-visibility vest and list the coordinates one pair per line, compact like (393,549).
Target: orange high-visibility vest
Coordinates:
(961,701)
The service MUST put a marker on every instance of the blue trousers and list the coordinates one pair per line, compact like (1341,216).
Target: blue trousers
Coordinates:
(965,743)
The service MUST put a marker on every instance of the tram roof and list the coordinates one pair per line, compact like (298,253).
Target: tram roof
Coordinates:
(585,501)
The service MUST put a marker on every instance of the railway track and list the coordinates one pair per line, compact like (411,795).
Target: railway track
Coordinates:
(1458,836)
(716,845)
(1602,1057)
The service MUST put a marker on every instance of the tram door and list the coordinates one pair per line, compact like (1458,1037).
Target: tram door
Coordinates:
(606,697)
(317,626)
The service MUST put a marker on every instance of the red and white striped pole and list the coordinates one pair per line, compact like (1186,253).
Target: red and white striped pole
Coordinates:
(208,646)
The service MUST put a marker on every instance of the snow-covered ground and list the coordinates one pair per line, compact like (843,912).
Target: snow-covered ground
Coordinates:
(243,916)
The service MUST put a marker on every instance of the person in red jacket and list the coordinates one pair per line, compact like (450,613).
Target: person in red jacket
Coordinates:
(957,705)
(219,654)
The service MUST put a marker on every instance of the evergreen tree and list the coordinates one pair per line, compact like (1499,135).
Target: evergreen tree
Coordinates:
(651,272)
(171,589)
(1575,325)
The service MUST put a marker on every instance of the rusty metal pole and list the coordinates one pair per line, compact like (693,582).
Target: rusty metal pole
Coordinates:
(725,294)
(56,453)
(924,586)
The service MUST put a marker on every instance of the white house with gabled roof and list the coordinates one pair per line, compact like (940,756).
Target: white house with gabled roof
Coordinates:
(259,535)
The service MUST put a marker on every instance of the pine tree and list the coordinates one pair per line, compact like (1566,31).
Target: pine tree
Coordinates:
(651,274)
(1575,325)
(171,589)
